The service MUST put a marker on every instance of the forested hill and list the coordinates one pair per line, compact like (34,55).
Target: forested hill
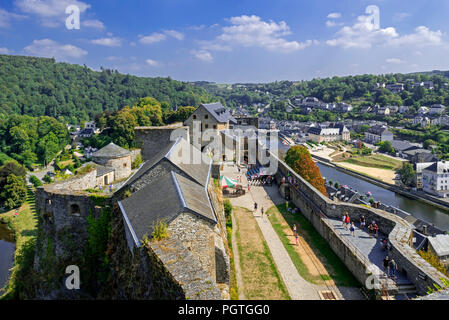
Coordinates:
(40,86)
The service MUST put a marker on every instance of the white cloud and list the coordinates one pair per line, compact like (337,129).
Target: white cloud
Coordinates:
(5,51)
(153,38)
(203,55)
(175,34)
(394,61)
(422,37)
(50,48)
(51,12)
(334,15)
(108,42)
(331,23)
(152,63)
(364,35)
(158,37)
(252,31)
(6,18)
(96,24)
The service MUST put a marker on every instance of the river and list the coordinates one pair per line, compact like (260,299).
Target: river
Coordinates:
(7,247)
(417,208)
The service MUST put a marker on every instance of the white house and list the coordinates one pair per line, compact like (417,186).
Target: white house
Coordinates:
(435,179)
(437,109)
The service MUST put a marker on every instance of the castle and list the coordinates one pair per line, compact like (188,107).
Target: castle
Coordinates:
(192,263)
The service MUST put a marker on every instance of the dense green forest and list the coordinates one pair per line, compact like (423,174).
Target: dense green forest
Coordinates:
(41,87)
(31,140)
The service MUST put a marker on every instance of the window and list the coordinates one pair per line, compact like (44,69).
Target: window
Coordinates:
(124,165)
(215,126)
(206,116)
(75,209)
(206,126)
(194,116)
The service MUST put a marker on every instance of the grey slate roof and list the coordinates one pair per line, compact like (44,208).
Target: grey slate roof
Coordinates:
(111,151)
(102,170)
(165,199)
(173,152)
(219,112)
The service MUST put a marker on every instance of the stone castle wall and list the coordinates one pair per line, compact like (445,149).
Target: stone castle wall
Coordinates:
(121,165)
(313,204)
(150,139)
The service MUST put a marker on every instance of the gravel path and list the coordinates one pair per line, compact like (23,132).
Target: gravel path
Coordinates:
(266,197)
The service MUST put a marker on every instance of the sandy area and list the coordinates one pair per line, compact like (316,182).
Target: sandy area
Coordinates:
(381,174)
(324,153)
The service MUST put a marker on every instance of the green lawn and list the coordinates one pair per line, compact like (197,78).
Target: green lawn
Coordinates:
(338,272)
(376,161)
(25,230)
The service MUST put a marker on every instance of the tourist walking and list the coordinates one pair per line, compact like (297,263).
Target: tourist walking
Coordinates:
(294,230)
(255,206)
(262,211)
(347,221)
(393,267)
(362,222)
(376,230)
(352,229)
(370,230)
(343,220)
(386,264)
(297,239)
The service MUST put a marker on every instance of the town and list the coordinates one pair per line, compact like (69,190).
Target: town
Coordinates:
(119,182)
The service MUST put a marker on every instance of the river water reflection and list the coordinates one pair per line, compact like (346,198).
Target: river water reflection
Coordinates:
(7,247)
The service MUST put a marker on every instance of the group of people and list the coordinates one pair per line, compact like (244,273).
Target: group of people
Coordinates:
(390,267)
(261,210)
(346,222)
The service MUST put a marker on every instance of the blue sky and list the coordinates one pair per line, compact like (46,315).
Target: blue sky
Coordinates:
(231,41)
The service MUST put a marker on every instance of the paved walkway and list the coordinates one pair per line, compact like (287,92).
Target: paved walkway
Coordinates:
(266,197)
(370,247)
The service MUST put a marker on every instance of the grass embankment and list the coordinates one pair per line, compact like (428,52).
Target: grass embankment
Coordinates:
(261,279)
(24,226)
(313,258)
(375,161)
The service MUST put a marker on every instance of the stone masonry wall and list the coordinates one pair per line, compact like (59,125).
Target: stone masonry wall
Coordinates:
(197,235)
(150,139)
(313,203)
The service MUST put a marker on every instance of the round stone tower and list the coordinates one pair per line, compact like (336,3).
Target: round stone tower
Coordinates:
(115,157)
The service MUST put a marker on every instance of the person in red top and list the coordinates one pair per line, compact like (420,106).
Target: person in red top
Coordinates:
(347,221)
(376,229)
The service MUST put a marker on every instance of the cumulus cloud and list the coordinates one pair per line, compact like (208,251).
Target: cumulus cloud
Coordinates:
(334,15)
(158,36)
(152,63)
(203,55)
(6,18)
(96,24)
(153,38)
(51,12)
(50,48)
(175,34)
(108,42)
(252,31)
(364,35)
(331,23)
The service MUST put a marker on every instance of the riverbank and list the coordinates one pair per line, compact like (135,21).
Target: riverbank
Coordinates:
(24,226)
(440,204)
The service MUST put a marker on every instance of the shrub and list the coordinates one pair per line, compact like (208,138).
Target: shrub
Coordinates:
(35,181)
(47,178)
(160,230)
(137,161)
(227,208)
